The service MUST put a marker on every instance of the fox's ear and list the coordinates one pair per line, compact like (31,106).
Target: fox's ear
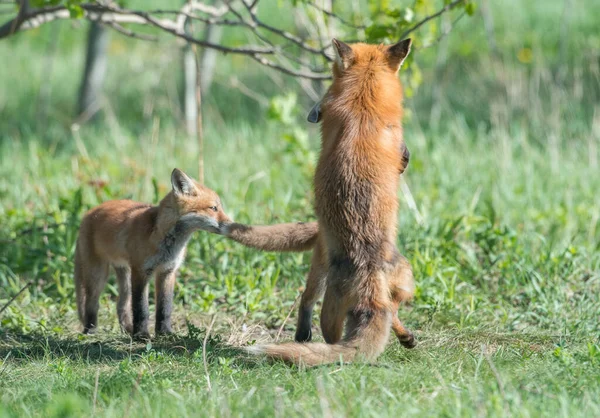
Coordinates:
(182,184)
(343,54)
(397,53)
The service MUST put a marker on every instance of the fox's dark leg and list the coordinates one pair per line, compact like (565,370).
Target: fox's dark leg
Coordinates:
(165,282)
(95,276)
(315,286)
(124,304)
(402,289)
(139,303)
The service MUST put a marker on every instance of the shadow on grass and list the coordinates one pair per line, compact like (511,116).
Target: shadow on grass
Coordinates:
(112,348)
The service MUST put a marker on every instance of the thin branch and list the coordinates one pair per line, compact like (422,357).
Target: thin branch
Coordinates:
(336,16)
(128,32)
(433,16)
(106,15)
(284,34)
(444,33)
(115,17)
(267,63)
(207,20)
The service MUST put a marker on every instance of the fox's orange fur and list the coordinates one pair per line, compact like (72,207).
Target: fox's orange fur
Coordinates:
(141,241)
(355,261)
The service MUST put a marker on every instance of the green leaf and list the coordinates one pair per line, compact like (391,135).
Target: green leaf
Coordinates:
(377,32)
(75,11)
(470,8)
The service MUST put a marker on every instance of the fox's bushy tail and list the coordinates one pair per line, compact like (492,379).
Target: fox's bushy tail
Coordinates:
(366,341)
(279,237)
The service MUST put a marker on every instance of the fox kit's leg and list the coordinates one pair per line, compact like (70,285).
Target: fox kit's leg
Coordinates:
(165,282)
(315,286)
(402,289)
(124,303)
(92,279)
(139,303)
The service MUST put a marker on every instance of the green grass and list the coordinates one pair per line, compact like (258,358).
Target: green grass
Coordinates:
(504,239)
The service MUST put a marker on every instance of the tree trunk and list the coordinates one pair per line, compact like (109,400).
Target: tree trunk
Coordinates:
(209,58)
(190,104)
(206,71)
(90,91)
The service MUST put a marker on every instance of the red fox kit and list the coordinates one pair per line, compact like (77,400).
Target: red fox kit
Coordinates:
(141,241)
(355,261)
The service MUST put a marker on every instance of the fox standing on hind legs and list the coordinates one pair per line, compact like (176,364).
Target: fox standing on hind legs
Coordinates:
(355,261)
(141,241)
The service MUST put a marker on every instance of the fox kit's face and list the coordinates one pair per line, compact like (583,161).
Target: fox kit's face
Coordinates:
(199,207)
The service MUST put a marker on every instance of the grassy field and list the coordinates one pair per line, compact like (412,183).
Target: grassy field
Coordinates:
(500,221)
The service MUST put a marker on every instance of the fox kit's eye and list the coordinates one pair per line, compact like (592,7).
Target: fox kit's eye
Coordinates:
(214,208)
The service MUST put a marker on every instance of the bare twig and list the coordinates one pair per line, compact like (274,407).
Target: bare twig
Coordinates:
(284,34)
(128,32)
(445,32)
(444,9)
(15,296)
(296,73)
(275,39)
(335,16)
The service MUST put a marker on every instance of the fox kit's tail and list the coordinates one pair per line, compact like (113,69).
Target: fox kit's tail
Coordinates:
(280,237)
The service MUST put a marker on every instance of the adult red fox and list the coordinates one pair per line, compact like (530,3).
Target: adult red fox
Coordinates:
(355,261)
(141,241)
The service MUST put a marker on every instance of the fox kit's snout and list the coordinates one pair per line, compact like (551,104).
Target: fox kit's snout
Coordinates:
(141,241)
(198,206)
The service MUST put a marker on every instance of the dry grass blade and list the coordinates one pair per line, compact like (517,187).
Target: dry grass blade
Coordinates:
(287,317)
(212,322)
(15,297)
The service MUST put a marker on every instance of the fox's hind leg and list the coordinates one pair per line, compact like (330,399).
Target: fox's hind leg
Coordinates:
(315,287)
(91,279)
(124,311)
(402,289)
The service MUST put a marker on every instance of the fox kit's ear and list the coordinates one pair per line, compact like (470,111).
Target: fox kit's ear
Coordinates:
(182,184)
(343,54)
(397,53)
